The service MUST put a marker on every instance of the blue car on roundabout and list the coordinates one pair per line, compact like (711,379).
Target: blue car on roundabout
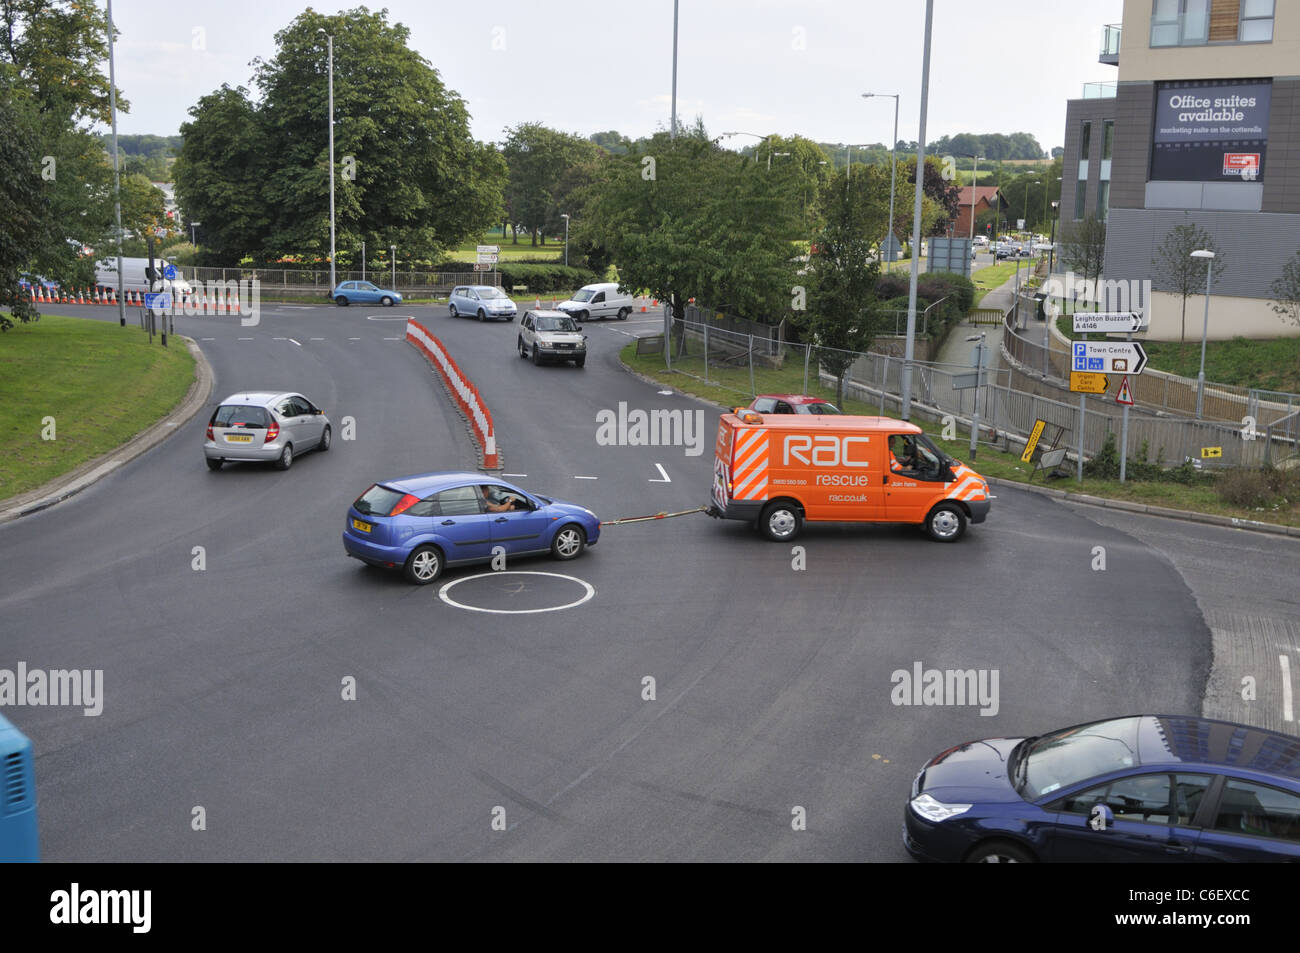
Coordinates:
(425,523)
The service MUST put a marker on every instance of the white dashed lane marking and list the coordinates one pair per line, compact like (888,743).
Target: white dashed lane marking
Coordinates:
(586,478)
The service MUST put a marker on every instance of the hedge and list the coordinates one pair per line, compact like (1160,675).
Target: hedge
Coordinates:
(537,277)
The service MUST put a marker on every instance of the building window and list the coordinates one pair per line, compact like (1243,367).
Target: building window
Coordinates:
(1080,199)
(1180,22)
(1107,138)
(1256,21)
(1103,200)
(1085,140)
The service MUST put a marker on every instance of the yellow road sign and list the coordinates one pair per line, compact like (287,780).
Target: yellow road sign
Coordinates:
(1211,453)
(1034,434)
(1085,382)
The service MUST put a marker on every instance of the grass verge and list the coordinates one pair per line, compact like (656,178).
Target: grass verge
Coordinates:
(102,384)
(730,388)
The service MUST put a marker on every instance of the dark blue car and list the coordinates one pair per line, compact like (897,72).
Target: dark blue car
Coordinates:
(1146,788)
(422,524)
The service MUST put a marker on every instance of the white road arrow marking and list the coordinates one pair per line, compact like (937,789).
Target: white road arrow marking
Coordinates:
(295,342)
(666,478)
(1287,711)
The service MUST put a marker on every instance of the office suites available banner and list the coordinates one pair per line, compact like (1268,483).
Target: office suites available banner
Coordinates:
(1211,130)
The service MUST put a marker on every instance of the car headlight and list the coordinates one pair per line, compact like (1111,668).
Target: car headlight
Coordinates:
(932,810)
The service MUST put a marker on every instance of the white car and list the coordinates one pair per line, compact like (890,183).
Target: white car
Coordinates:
(598,301)
(551,336)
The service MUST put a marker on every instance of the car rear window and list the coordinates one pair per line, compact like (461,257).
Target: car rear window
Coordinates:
(239,415)
(377,501)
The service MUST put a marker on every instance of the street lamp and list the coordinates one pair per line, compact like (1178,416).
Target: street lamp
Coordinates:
(909,346)
(566,239)
(979,373)
(769,158)
(893,166)
(193,240)
(363,261)
(975,181)
(756,136)
(392,255)
(331,125)
(1205,329)
(1051,253)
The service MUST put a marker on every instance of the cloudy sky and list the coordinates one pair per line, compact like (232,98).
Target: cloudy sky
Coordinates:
(787,66)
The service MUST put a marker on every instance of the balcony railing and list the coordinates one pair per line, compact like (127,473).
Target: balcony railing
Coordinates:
(1099,90)
(1110,36)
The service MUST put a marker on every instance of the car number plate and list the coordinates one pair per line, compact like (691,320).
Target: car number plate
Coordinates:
(363,526)
(239,438)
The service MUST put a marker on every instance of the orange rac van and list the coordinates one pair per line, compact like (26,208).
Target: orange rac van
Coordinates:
(779,471)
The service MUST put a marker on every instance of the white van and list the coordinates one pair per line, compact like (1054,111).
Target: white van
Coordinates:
(599,301)
(133,276)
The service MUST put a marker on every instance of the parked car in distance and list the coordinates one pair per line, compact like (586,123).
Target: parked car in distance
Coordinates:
(598,301)
(265,426)
(26,281)
(482,302)
(551,336)
(981,240)
(422,524)
(1141,788)
(792,404)
(364,292)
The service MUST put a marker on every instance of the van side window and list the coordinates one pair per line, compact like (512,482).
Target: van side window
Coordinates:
(600,296)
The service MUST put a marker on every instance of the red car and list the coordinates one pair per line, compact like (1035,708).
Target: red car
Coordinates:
(792,404)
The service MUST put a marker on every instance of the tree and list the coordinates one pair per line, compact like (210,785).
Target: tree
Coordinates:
(1285,290)
(940,202)
(24,206)
(842,274)
(1083,248)
(408,171)
(544,166)
(1180,273)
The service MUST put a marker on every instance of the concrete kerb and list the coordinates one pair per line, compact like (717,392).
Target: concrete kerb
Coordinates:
(70,484)
(1064,496)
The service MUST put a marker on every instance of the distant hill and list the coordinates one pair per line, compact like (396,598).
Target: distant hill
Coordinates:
(149,155)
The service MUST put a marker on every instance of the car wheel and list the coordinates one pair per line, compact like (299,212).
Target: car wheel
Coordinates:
(214,463)
(623,313)
(286,458)
(341,301)
(946,523)
(581,316)
(569,542)
(424,565)
(522,352)
(451,309)
(536,359)
(386,301)
(780,522)
(999,852)
(580,362)
(324,440)
(481,315)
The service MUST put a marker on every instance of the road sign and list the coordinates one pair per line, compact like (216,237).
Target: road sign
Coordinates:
(1108,357)
(1211,453)
(965,381)
(161,301)
(1020,224)
(1125,394)
(1083,382)
(482,266)
(170,272)
(487,259)
(488,249)
(1103,322)
(1032,443)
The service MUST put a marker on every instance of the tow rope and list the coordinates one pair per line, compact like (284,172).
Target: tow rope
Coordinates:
(657,516)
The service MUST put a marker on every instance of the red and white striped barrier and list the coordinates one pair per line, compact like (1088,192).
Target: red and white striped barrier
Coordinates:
(466,394)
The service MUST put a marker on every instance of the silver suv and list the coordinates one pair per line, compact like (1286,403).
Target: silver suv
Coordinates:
(551,336)
(265,426)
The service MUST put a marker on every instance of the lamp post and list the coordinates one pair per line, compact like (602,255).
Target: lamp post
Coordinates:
(909,348)
(117,174)
(979,373)
(566,239)
(1051,253)
(392,254)
(363,261)
(1027,185)
(330,39)
(893,165)
(769,158)
(194,241)
(756,136)
(1205,329)
(672,129)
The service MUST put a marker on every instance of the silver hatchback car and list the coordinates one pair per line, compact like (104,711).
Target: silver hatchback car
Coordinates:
(482,302)
(265,426)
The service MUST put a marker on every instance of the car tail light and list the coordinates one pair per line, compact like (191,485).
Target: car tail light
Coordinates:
(404,504)
(272,431)
(210,437)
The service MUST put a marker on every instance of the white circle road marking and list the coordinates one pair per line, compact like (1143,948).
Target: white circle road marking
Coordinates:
(442,593)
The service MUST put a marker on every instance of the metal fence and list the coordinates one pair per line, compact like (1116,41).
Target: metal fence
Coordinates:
(316,282)
(1011,397)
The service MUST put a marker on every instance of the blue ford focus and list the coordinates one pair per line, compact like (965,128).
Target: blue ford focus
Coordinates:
(423,524)
(1147,788)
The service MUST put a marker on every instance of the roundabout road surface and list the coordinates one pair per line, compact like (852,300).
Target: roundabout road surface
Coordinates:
(771,687)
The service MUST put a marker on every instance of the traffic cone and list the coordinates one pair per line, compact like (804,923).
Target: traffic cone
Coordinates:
(234,308)
(537,305)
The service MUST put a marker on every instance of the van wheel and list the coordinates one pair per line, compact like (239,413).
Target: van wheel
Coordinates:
(582,316)
(946,523)
(780,522)
(623,313)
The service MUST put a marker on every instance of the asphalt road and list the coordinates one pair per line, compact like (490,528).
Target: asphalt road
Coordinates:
(771,686)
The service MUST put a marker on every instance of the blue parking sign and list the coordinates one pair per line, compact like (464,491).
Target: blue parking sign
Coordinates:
(161,301)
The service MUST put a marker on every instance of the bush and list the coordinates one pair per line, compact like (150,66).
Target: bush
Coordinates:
(1104,465)
(1256,489)
(545,277)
